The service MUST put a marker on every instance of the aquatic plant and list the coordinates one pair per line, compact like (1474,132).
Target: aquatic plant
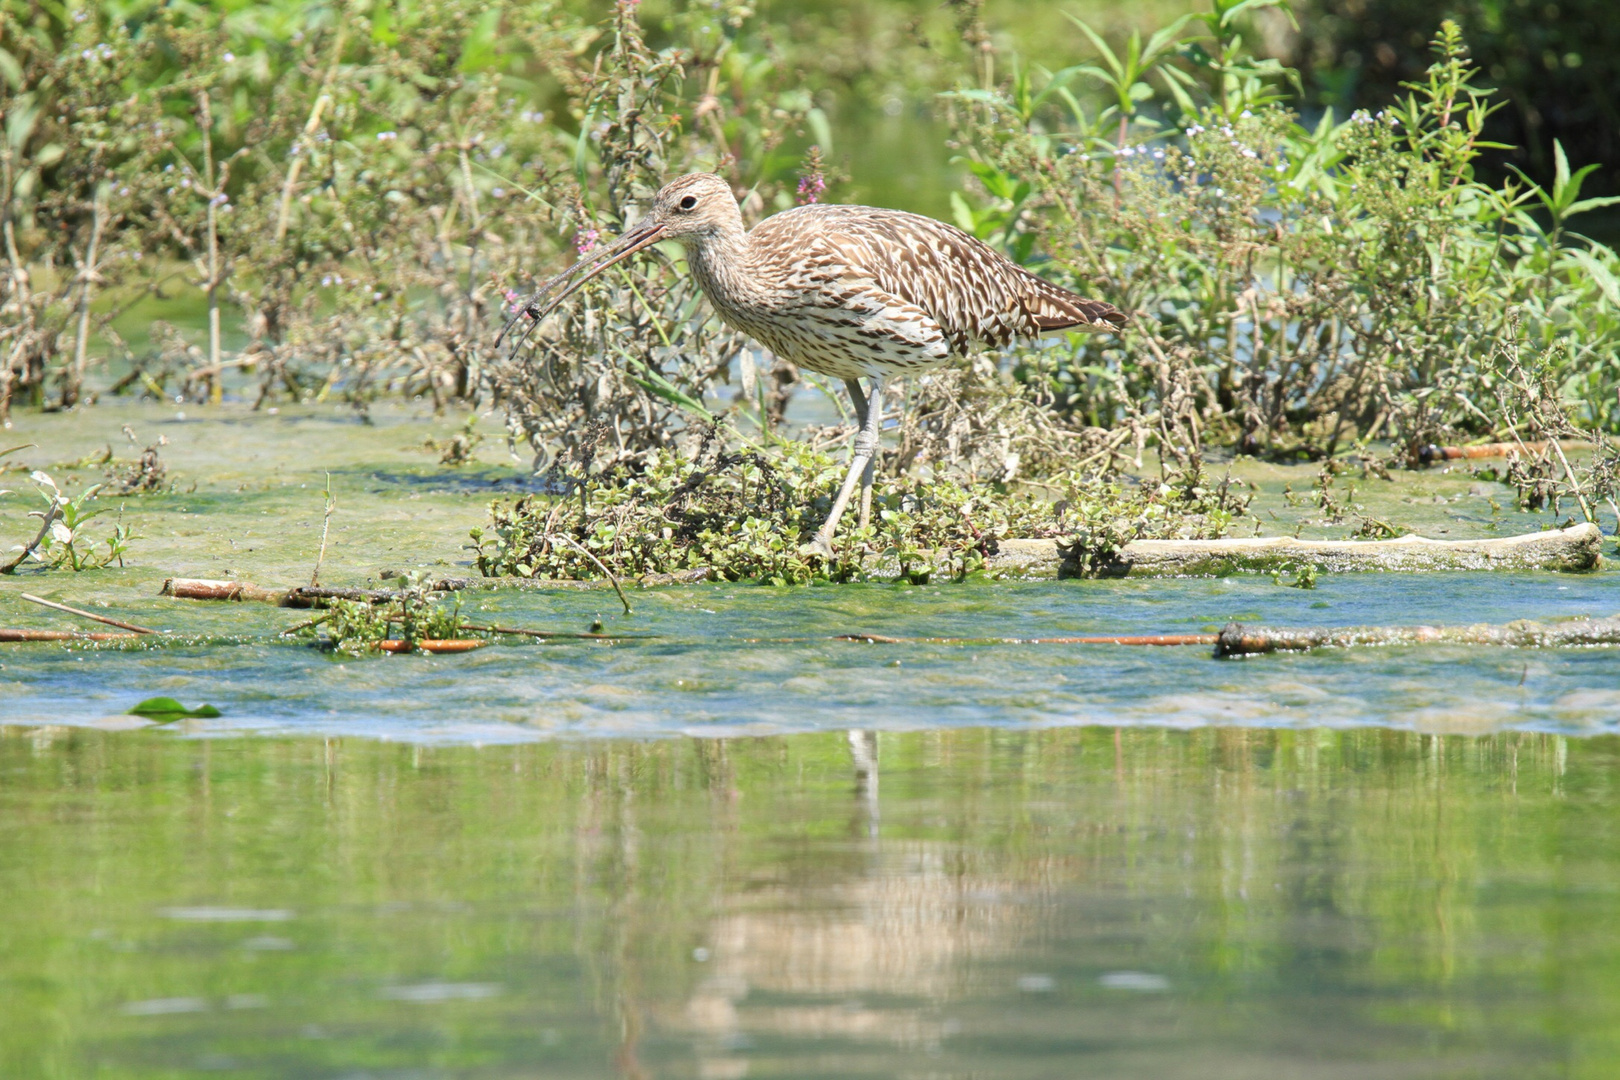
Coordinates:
(64,538)
(356,627)
(747,515)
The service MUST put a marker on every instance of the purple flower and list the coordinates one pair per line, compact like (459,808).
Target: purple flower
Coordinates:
(811,187)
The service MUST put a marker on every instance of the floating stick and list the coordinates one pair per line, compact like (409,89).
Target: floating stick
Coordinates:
(549,634)
(1090,639)
(59,635)
(431,645)
(86,615)
(1491,450)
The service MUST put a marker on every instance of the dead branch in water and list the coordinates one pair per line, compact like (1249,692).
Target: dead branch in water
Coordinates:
(1089,639)
(302,596)
(1431,453)
(32,599)
(44,527)
(1572,550)
(431,645)
(1239,640)
(59,635)
(547,635)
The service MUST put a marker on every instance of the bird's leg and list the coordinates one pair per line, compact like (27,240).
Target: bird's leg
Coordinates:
(866,446)
(857,397)
(874,409)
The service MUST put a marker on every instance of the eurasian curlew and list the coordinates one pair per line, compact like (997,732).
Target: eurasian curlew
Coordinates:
(846,291)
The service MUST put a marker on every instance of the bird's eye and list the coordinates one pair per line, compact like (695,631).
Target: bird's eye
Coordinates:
(689,202)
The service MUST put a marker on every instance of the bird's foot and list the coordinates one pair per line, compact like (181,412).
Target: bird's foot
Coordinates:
(820,546)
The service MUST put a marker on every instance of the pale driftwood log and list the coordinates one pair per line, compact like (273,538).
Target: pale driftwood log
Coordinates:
(302,596)
(1239,640)
(1574,549)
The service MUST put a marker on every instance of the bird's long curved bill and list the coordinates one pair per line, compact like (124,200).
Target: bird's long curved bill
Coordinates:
(565,284)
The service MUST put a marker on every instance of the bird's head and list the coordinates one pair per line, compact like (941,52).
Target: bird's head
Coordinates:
(689,209)
(692,208)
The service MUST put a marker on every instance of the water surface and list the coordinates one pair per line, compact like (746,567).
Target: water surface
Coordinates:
(976,902)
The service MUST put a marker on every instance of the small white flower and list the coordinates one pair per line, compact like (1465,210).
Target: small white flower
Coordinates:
(499,193)
(387,136)
(230,58)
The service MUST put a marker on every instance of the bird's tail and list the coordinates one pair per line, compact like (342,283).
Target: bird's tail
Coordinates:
(1053,308)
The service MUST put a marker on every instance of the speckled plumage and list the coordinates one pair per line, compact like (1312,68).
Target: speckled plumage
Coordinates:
(851,291)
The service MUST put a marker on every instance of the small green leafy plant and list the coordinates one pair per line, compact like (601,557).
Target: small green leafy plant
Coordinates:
(355,627)
(65,540)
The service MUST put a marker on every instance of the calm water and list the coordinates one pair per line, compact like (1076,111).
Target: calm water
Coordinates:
(977,902)
(740,849)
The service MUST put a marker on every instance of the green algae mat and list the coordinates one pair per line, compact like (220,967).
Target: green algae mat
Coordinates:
(736,847)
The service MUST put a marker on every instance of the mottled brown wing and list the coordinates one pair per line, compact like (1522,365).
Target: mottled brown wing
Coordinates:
(972,292)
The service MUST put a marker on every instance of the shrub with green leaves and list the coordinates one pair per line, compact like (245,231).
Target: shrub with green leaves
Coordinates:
(1297,288)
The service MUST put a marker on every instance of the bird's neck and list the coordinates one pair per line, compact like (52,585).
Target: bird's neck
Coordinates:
(721,263)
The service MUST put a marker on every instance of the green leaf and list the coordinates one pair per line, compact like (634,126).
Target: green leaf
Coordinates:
(1101,46)
(165,709)
(1590,204)
(11,70)
(1560,170)
(1230,13)
(963,214)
